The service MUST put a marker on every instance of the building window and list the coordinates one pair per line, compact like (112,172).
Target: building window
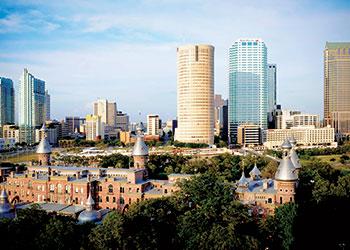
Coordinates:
(269,200)
(281,201)
(67,189)
(137,190)
(52,188)
(113,199)
(100,188)
(110,189)
(129,200)
(99,199)
(121,189)
(59,188)
(107,199)
(165,191)
(77,190)
(291,199)
(121,201)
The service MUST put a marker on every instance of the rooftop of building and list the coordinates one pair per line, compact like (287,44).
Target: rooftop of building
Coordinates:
(337,45)
(257,186)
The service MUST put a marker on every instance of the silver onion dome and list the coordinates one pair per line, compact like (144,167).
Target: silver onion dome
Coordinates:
(44,146)
(5,206)
(255,172)
(140,147)
(286,144)
(89,214)
(295,159)
(243,181)
(286,170)
(292,141)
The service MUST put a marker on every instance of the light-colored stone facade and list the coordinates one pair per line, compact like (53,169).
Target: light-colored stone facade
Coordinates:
(307,136)
(195,94)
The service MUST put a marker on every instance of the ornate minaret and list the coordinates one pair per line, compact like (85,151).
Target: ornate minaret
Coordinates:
(286,177)
(44,149)
(90,214)
(140,151)
(293,154)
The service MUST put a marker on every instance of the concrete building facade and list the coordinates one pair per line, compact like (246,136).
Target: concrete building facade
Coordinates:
(154,125)
(94,128)
(195,94)
(306,136)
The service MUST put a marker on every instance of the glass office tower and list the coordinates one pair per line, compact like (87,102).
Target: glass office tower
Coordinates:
(7,101)
(31,106)
(248,85)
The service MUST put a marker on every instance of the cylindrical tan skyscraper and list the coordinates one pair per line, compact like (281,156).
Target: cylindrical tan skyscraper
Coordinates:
(195,94)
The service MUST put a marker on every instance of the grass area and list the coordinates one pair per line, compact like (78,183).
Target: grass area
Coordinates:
(328,158)
(26,157)
(334,163)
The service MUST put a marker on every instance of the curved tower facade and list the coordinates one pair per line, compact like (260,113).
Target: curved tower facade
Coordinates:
(195,94)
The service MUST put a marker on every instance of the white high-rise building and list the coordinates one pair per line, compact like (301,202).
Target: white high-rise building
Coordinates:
(195,94)
(94,128)
(31,106)
(248,88)
(107,111)
(153,125)
(122,121)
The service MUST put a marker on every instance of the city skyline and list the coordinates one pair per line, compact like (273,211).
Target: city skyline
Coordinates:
(84,52)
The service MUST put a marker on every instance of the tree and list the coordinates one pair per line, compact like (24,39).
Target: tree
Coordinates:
(210,218)
(108,235)
(151,224)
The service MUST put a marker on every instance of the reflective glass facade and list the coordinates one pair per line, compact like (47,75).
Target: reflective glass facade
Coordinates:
(248,86)
(7,101)
(31,107)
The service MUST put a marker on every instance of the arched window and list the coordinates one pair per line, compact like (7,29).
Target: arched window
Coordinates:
(52,188)
(269,200)
(59,188)
(281,200)
(67,189)
(110,189)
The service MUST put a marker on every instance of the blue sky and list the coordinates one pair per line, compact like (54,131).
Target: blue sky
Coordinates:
(126,50)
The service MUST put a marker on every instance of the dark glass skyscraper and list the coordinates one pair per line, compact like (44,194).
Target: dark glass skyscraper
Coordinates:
(7,101)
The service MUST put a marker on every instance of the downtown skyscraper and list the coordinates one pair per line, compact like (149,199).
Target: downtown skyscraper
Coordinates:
(107,111)
(271,86)
(31,106)
(7,101)
(195,94)
(248,85)
(337,86)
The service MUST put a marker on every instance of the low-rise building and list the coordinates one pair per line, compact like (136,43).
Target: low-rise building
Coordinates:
(110,188)
(249,135)
(264,195)
(10,131)
(306,136)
